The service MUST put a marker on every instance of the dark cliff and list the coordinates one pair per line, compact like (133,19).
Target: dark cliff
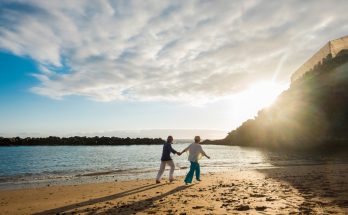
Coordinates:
(312,112)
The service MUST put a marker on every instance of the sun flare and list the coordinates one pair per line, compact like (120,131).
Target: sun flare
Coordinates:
(263,94)
(255,97)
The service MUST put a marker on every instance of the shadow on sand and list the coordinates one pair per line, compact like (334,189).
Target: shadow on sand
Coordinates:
(98,200)
(320,185)
(142,205)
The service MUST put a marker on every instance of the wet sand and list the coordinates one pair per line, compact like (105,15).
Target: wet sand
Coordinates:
(315,189)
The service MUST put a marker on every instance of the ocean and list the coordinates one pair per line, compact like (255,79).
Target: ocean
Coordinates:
(33,166)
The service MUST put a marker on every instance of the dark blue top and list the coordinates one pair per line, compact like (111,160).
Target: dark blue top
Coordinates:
(167,149)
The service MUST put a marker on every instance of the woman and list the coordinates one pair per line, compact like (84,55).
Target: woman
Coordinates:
(195,153)
(166,159)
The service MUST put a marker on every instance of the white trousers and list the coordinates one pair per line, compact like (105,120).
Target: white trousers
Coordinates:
(163,167)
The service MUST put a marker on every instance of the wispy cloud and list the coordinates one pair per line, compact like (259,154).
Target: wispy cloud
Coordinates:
(165,50)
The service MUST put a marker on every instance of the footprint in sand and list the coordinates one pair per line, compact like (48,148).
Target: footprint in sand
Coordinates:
(242,207)
(270,199)
(260,208)
(197,207)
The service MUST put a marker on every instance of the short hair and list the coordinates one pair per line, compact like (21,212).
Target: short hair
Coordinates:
(169,137)
(197,139)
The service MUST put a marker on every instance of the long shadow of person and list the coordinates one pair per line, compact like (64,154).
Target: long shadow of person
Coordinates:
(142,204)
(98,200)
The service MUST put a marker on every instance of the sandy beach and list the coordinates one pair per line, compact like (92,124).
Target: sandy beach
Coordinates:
(317,189)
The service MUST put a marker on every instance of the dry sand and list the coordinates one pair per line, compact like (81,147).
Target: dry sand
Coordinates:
(316,189)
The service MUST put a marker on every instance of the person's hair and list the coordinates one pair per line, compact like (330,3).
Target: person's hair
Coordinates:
(197,139)
(169,137)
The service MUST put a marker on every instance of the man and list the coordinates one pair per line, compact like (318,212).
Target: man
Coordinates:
(195,153)
(166,159)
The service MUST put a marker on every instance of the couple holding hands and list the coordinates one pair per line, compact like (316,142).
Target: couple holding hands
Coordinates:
(195,151)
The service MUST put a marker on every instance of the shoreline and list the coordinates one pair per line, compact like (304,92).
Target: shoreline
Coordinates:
(102,164)
(45,180)
(286,189)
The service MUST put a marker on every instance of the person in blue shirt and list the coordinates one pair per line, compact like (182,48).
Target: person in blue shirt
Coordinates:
(166,159)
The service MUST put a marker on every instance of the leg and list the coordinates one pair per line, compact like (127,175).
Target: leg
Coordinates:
(172,168)
(189,176)
(198,172)
(160,171)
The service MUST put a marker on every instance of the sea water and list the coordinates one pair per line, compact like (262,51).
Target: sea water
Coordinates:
(25,166)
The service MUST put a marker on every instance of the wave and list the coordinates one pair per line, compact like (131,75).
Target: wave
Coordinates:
(105,172)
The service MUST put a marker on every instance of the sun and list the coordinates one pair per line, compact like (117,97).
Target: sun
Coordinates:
(255,97)
(263,94)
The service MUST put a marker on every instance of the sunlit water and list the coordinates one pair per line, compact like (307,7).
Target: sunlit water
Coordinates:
(39,165)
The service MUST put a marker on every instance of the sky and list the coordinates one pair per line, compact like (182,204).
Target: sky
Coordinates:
(150,68)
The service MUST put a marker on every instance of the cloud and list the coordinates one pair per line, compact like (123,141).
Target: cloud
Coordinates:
(165,50)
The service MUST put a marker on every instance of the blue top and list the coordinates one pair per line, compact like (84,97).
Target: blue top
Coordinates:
(167,149)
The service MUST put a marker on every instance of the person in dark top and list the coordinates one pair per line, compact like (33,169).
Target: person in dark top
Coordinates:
(166,159)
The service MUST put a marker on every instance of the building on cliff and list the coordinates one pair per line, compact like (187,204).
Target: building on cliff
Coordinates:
(332,49)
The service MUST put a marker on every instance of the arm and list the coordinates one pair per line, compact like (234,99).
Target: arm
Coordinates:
(204,154)
(174,151)
(185,149)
